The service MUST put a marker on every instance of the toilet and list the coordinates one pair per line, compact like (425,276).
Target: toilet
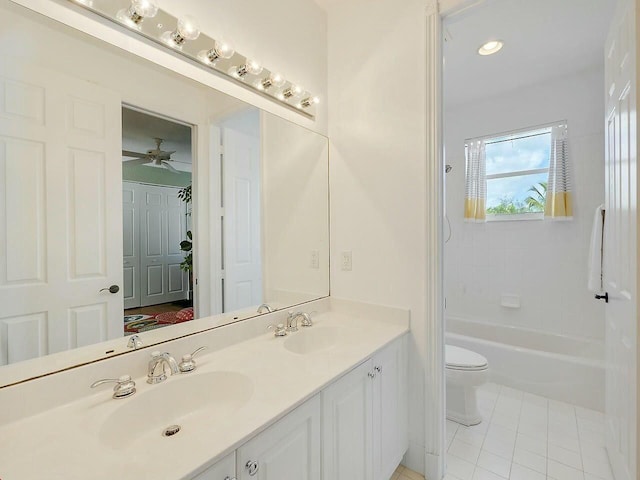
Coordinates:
(465,372)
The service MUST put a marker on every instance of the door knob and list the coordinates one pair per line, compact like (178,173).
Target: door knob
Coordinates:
(111,289)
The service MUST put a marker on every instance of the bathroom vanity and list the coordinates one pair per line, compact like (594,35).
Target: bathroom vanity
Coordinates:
(328,401)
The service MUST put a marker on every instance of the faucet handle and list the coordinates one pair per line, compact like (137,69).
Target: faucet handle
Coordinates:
(279,330)
(134,342)
(306,319)
(125,387)
(188,364)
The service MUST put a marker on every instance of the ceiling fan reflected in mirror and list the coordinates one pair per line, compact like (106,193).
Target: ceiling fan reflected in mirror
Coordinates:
(157,156)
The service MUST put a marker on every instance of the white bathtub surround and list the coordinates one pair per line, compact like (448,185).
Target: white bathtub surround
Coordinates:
(556,366)
(527,437)
(61,423)
(542,261)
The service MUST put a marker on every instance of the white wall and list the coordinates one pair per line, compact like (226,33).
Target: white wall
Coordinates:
(377,105)
(544,262)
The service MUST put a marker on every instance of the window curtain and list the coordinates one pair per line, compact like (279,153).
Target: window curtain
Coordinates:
(559,201)
(475,191)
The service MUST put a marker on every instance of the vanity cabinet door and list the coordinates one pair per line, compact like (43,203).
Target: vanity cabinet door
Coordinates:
(390,409)
(347,426)
(288,450)
(225,469)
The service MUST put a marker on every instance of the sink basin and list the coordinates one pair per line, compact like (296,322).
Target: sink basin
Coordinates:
(193,401)
(312,339)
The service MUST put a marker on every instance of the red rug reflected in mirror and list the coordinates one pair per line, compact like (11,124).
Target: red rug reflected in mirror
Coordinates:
(141,323)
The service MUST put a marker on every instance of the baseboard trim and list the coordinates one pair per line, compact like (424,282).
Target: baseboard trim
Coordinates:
(433,469)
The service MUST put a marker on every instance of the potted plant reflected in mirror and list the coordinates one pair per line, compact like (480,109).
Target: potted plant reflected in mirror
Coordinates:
(187,244)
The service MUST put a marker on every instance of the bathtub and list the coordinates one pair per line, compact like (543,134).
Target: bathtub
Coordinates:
(555,366)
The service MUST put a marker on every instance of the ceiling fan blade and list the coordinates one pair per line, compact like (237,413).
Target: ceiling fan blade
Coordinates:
(128,153)
(137,161)
(169,167)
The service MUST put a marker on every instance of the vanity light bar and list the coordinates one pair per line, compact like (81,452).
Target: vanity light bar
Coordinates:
(183,36)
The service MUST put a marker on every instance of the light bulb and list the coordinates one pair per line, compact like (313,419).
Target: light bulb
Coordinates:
(145,8)
(293,91)
(188,28)
(253,67)
(224,49)
(220,50)
(137,11)
(250,66)
(274,79)
(307,102)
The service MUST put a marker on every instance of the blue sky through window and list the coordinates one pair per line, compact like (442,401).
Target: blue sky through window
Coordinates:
(530,152)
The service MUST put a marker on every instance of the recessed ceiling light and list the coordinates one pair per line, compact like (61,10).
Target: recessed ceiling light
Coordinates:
(491,47)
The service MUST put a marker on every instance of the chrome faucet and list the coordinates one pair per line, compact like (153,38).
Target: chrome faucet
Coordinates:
(265,306)
(293,317)
(161,359)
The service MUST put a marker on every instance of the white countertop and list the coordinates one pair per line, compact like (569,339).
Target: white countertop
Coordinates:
(65,442)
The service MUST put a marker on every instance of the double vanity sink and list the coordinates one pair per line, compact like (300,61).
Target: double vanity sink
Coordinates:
(177,428)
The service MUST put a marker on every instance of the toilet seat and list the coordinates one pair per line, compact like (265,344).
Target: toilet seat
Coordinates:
(457,358)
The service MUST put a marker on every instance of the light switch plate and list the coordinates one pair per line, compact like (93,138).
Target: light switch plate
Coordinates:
(346,261)
(315,259)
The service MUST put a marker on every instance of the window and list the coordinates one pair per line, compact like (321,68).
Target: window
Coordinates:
(517,168)
(517,173)
(507,175)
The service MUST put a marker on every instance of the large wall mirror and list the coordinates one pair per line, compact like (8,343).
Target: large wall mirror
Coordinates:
(138,201)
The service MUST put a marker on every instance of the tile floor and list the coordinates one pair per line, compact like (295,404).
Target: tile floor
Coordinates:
(527,437)
(403,473)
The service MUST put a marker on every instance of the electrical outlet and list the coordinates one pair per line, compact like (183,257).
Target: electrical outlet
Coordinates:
(315,259)
(346,261)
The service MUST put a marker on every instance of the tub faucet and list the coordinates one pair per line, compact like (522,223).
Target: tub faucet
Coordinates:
(161,359)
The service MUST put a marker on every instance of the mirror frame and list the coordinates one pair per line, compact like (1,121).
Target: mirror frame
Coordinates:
(71,16)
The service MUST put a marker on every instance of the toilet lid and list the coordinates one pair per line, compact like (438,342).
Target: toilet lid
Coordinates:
(462,359)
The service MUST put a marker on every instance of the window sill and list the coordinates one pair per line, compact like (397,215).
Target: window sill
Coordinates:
(516,217)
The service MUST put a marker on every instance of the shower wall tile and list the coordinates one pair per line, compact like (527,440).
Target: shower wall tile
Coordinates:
(544,262)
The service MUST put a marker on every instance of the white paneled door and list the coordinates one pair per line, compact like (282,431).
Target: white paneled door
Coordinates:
(620,255)
(162,227)
(60,212)
(154,224)
(241,232)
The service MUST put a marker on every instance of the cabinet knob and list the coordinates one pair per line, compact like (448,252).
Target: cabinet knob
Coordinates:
(378,369)
(252,467)
(371,375)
